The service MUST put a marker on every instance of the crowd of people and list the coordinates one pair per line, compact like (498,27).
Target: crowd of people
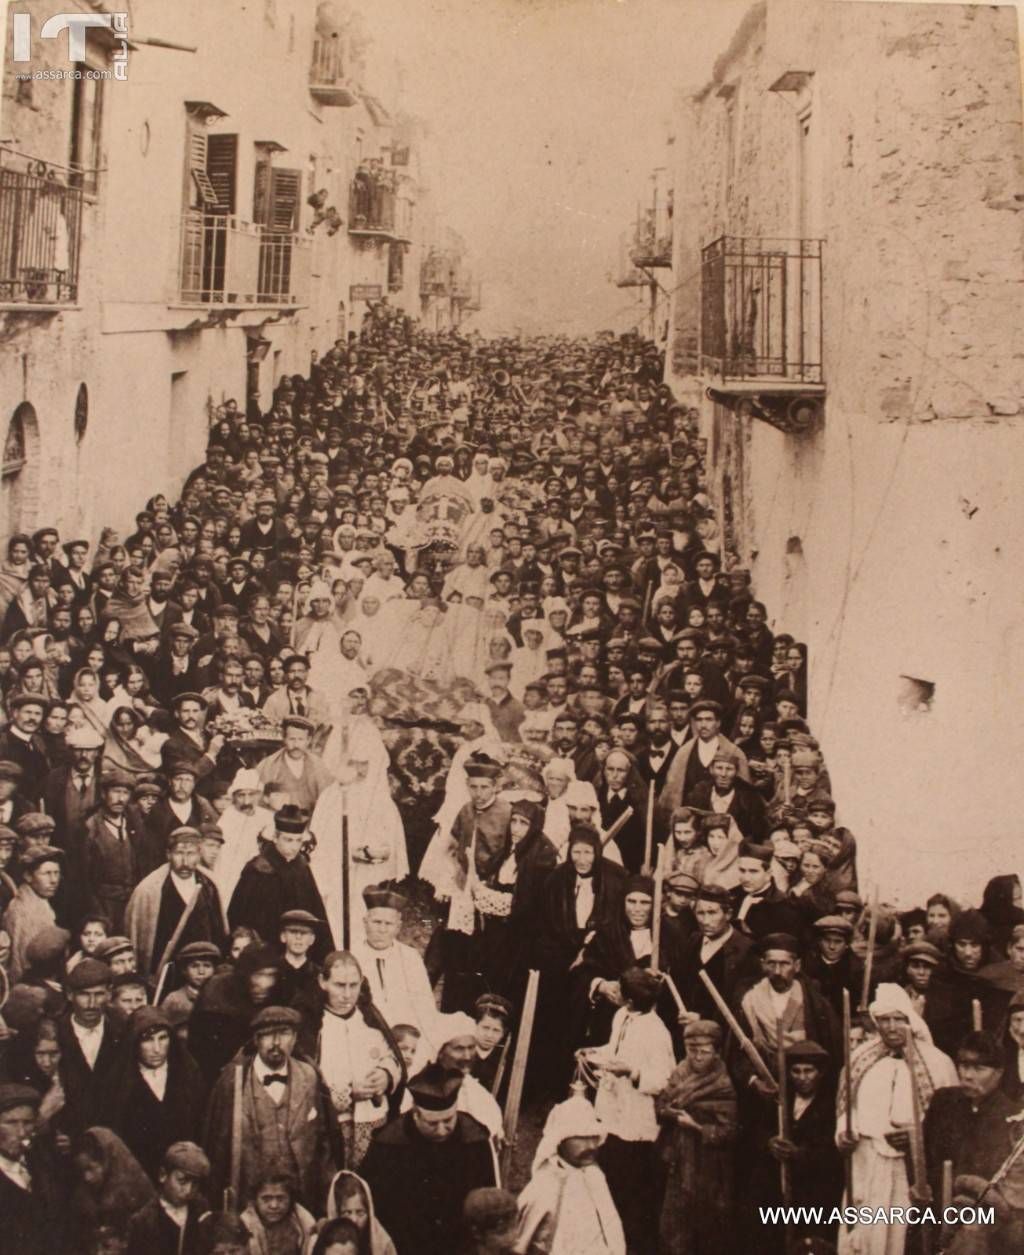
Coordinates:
(428,762)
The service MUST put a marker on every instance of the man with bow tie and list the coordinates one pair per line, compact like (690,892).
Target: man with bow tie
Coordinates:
(72,790)
(655,761)
(620,788)
(285,1118)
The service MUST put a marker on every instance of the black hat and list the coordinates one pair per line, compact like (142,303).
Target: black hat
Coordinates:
(291,818)
(808,1051)
(715,893)
(377,897)
(779,941)
(87,974)
(32,859)
(178,698)
(436,1088)
(13,1095)
(197,950)
(706,706)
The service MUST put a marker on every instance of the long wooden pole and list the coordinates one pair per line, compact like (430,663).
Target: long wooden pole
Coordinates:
(745,1044)
(976,1022)
(346,926)
(785,1175)
(869,957)
(236,1142)
(659,876)
(848,1094)
(617,827)
(519,1061)
(918,1162)
(649,835)
(499,1072)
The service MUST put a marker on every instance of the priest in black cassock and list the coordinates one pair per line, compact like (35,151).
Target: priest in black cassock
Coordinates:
(174,906)
(277,880)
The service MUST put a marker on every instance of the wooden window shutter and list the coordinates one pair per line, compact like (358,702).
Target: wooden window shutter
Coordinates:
(285,189)
(221,166)
(200,193)
(261,193)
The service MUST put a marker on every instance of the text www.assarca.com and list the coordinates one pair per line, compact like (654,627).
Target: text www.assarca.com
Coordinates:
(816,1216)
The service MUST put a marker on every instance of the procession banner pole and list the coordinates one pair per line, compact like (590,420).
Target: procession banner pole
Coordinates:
(515,1085)
(499,1074)
(659,877)
(918,1162)
(848,1092)
(785,1175)
(745,1044)
(649,834)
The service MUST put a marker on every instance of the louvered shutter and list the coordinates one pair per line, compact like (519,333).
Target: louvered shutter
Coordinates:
(200,193)
(261,194)
(285,188)
(221,165)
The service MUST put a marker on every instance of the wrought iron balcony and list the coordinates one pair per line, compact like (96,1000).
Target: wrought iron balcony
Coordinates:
(328,82)
(40,233)
(761,315)
(231,263)
(371,204)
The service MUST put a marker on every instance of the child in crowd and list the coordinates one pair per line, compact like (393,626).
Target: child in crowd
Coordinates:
(689,853)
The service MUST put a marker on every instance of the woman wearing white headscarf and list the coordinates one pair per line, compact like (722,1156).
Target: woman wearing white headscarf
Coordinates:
(885,1072)
(557,775)
(566,1207)
(529,661)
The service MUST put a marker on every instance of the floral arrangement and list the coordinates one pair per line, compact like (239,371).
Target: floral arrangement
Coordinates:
(245,725)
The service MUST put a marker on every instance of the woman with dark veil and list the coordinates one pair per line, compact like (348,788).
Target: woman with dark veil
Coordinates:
(1001,905)
(147,1121)
(109,1184)
(509,942)
(581,895)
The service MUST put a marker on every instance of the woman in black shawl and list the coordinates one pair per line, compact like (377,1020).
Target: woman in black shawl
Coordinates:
(581,895)
(146,1123)
(510,938)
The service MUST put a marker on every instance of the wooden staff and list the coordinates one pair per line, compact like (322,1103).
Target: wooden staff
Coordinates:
(515,1085)
(499,1074)
(649,835)
(236,1143)
(680,1004)
(346,926)
(947,1184)
(848,1093)
(785,1175)
(869,958)
(918,1162)
(786,770)
(659,876)
(745,1044)
(976,1014)
(617,827)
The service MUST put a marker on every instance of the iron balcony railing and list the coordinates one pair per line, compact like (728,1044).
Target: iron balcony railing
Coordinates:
(40,234)
(328,82)
(761,314)
(227,261)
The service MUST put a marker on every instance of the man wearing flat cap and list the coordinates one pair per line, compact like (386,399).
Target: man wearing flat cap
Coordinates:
(169,1223)
(174,906)
(21,743)
(32,1203)
(692,763)
(108,840)
(421,1166)
(816,1171)
(285,1117)
(727,793)
(89,1036)
(832,963)
(187,743)
(31,910)
(293,769)
(182,807)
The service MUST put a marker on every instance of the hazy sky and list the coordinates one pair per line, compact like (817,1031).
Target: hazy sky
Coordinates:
(547,117)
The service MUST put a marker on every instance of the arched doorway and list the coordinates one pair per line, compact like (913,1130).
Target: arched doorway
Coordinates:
(19,470)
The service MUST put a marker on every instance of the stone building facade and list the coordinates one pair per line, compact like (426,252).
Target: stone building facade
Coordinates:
(183,235)
(849,265)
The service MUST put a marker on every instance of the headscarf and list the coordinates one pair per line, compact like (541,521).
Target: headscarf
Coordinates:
(125,1188)
(721,867)
(575,1117)
(380,1242)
